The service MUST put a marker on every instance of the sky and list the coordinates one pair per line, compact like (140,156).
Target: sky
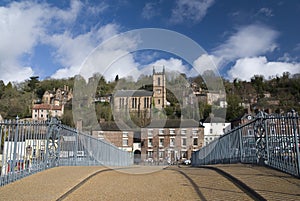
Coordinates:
(58,38)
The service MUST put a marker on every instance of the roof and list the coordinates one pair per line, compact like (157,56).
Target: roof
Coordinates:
(215,120)
(115,126)
(133,93)
(169,123)
(46,107)
(174,123)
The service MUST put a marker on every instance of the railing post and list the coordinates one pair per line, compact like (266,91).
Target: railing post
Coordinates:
(76,146)
(267,141)
(260,138)
(241,144)
(53,134)
(296,137)
(13,165)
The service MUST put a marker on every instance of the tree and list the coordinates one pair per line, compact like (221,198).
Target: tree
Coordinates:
(234,108)
(258,83)
(32,83)
(117,78)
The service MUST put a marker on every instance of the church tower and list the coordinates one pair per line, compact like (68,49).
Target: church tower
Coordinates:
(159,89)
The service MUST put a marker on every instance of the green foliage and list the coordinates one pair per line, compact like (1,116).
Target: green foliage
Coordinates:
(104,111)
(16,98)
(234,109)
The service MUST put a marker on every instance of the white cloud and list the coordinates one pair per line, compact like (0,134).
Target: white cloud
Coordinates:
(150,10)
(68,15)
(190,10)
(206,62)
(266,11)
(248,41)
(171,64)
(23,26)
(246,68)
(20,28)
(110,58)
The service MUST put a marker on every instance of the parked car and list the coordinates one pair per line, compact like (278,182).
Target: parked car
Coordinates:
(187,162)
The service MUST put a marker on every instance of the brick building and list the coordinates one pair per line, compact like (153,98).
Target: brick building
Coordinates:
(162,141)
(171,140)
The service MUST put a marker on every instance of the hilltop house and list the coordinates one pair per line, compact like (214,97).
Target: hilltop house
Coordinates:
(45,111)
(52,103)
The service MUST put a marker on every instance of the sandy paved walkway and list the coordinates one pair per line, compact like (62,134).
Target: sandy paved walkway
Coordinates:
(47,185)
(114,185)
(151,183)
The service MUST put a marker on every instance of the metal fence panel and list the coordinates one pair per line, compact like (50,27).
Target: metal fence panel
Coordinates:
(271,140)
(28,147)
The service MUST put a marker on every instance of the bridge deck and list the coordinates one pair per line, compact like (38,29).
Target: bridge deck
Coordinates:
(172,183)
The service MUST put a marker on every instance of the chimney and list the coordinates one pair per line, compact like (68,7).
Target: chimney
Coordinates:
(79,125)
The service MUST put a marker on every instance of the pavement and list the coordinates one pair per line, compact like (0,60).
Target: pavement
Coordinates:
(151,183)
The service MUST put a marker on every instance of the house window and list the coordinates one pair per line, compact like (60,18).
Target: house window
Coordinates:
(183,154)
(161,154)
(161,131)
(195,132)
(158,101)
(172,142)
(183,142)
(161,142)
(183,131)
(195,141)
(150,133)
(125,134)
(134,103)
(250,132)
(148,102)
(150,154)
(100,135)
(125,142)
(121,103)
(150,142)
(172,131)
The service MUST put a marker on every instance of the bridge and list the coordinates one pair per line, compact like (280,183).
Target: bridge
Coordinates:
(50,161)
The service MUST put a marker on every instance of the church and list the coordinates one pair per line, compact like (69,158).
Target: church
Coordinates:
(139,103)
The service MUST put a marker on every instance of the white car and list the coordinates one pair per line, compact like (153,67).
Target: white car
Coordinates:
(187,162)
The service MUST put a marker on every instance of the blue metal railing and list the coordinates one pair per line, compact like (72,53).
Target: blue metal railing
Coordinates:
(272,140)
(28,147)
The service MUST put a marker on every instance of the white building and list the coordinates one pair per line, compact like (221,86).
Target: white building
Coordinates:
(45,111)
(214,127)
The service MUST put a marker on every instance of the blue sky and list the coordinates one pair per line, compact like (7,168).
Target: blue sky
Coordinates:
(242,38)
